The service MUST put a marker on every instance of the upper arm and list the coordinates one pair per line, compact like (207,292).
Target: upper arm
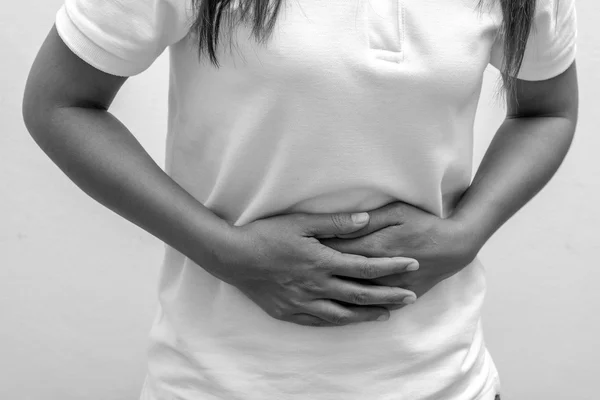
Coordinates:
(95,45)
(59,78)
(557,96)
(547,80)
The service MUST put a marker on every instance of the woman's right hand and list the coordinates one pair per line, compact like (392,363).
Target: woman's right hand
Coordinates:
(279,264)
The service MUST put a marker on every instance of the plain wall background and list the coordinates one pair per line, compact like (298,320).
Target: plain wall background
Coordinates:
(77,282)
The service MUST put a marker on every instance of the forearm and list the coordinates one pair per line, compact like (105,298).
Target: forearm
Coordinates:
(99,154)
(522,157)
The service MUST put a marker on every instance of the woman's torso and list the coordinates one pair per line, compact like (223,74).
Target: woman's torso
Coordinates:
(349,106)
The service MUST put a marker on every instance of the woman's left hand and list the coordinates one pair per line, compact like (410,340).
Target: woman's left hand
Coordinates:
(441,246)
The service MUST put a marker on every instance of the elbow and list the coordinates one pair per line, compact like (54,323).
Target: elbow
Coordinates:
(29,116)
(30,109)
(35,110)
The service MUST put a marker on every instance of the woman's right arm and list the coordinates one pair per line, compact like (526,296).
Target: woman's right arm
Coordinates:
(65,109)
(277,262)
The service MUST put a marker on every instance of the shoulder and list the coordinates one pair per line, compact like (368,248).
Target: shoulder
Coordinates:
(123,37)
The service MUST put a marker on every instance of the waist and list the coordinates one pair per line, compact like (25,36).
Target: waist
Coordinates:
(222,338)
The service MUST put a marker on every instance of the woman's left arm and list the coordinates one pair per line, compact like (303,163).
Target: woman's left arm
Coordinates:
(524,154)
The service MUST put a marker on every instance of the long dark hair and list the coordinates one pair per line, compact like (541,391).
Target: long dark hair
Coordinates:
(515,28)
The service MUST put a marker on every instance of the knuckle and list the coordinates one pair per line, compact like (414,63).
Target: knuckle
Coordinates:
(367,270)
(340,221)
(360,298)
(310,286)
(340,319)
(295,303)
(324,262)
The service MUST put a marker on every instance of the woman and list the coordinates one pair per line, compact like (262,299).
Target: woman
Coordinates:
(297,118)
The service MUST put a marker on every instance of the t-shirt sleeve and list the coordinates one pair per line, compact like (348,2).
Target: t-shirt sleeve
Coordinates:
(551,45)
(122,37)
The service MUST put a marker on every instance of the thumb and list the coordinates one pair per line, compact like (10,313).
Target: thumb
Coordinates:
(331,225)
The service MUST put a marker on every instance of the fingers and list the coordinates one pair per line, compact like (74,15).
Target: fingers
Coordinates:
(309,320)
(365,295)
(331,225)
(329,313)
(357,266)
(382,217)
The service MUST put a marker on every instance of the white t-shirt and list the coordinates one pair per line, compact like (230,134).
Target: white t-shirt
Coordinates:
(351,105)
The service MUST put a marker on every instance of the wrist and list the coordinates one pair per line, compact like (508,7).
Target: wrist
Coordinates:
(215,246)
(466,236)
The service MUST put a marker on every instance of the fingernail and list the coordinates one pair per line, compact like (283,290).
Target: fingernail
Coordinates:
(383,317)
(413,266)
(360,218)
(409,300)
